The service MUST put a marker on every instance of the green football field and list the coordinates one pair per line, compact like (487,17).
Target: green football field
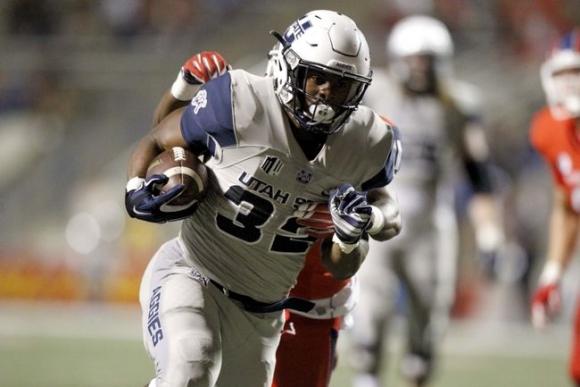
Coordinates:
(82,346)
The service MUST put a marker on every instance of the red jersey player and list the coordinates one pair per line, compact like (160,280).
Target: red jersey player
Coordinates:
(555,133)
(306,355)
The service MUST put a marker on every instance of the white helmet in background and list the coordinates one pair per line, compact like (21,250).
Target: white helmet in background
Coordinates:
(321,42)
(419,35)
(560,75)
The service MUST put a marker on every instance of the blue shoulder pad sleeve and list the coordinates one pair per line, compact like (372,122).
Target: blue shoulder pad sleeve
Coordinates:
(208,119)
(386,175)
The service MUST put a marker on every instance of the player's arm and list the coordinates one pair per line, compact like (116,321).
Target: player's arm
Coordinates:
(385,221)
(341,264)
(195,72)
(140,198)
(353,216)
(142,201)
(564,228)
(386,218)
(166,105)
(483,208)
(562,239)
(345,221)
(163,136)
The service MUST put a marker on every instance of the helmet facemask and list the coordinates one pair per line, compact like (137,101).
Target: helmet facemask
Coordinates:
(324,114)
(322,49)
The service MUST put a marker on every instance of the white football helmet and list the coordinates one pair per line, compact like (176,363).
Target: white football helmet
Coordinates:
(560,76)
(419,35)
(323,42)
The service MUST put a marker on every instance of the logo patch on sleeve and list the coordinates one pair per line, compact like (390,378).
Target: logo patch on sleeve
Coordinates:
(199,101)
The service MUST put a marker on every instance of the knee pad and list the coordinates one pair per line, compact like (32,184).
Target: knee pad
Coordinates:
(193,359)
(195,347)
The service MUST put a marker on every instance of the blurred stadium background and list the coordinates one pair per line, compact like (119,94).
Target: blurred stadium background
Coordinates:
(78,83)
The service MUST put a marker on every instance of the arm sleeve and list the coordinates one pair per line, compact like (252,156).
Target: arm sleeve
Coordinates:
(207,123)
(479,175)
(475,155)
(392,164)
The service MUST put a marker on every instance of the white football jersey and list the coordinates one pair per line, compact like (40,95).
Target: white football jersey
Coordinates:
(431,130)
(244,234)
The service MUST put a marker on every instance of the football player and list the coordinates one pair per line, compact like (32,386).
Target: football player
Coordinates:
(440,124)
(306,355)
(213,297)
(555,133)
(316,332)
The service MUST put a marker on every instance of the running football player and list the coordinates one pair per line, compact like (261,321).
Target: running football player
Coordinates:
(213,297)
(440,128)
(555,133)
(306,355)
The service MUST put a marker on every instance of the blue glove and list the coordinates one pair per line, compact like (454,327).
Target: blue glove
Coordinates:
(145,204)
(350,212)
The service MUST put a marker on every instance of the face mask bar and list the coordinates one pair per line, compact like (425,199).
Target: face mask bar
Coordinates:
(308,111)
(314,114)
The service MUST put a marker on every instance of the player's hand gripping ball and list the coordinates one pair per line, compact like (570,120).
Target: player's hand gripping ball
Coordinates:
(175,183)
(350,212)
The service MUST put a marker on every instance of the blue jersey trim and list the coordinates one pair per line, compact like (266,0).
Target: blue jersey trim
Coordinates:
(386,175)
(208,119)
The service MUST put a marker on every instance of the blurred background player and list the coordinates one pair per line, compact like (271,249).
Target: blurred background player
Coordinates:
(255,247)
(555,133)
(439,122)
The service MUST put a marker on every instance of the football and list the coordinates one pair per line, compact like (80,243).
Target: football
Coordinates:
(181,167)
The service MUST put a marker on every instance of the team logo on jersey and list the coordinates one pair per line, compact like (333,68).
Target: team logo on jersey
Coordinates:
(199,101)
(303,176)
(272,165)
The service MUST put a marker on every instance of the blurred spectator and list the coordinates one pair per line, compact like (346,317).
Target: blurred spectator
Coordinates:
(32,17)
(125,18)
(33,120)
(175,18)
(528,26)
(80,18)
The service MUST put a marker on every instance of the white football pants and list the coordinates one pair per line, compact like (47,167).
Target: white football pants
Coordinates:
(196,335)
